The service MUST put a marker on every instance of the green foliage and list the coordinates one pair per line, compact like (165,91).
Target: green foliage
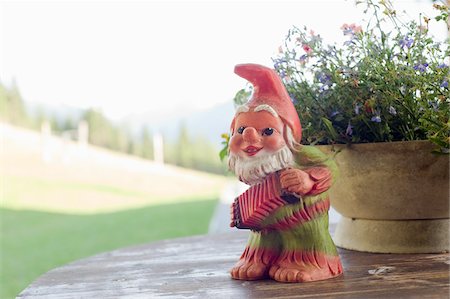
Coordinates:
(146,144)
(242,96)
(184,153)
(12,108)
(193,152)
(224,152)
(381,85)
(101,131)
(35,242)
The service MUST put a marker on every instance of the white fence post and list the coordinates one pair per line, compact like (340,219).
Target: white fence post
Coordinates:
(83,134)
(158,148)
(46,148)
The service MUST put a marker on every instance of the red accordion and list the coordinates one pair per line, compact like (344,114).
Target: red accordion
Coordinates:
(254,205)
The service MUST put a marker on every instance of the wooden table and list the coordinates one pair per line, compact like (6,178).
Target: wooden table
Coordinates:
(197,267)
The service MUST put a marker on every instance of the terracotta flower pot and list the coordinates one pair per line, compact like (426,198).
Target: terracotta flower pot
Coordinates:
(394,197)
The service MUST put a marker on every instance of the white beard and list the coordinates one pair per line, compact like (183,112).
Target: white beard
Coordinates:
(253,170)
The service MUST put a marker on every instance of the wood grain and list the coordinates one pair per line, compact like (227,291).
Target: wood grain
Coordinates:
(197,267)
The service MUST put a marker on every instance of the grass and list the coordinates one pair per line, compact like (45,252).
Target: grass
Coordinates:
(85,197)
(34,242)
(41,185)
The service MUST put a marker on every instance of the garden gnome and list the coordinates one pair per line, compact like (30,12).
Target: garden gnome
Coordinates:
(286,206)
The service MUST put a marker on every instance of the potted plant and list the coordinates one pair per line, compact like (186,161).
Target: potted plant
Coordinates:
(381,102)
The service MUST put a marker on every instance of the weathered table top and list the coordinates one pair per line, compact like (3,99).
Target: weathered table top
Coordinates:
(197,267)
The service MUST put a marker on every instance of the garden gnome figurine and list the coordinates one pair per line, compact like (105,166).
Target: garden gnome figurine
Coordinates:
(286,206)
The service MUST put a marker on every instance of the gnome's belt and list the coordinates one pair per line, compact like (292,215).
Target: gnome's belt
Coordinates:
(253,206)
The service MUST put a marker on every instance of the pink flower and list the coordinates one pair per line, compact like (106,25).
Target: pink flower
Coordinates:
(307,48)
(351,29)
(356,29)
(344,26)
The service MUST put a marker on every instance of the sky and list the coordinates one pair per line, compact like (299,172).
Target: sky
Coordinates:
(158,59)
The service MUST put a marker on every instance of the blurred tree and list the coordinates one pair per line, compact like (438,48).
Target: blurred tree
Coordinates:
(101,132)
(204,156)
(68,124)
(39,118)
(193,152)
(183,151)
(120,138)
(12,107)
(169,151)
(55,123)
(146,150)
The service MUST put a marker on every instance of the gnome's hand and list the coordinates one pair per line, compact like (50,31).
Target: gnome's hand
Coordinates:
(296,181)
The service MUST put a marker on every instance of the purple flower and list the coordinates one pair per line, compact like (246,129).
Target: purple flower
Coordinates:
(406,42)
(434,105)
(324,78)
(349,42)
(392,110)
(347,31)
(334,113)
(303,58)
(349,130)
(421,67)
(323,88)
(376,118)
(444,83)
(277,63)
(442,66)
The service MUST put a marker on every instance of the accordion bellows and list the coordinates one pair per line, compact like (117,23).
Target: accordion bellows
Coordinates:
(253,206)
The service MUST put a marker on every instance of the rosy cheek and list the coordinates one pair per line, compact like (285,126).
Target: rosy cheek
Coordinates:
(274,143)
(235,143)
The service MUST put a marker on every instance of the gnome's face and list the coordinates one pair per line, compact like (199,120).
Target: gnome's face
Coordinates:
(256,134)
(257,146)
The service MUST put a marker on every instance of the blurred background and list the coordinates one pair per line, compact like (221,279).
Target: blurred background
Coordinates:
(111,115)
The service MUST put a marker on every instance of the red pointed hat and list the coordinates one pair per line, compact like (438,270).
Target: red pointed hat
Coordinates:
(269,89)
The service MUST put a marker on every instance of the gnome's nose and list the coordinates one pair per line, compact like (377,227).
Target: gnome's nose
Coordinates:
(250,135)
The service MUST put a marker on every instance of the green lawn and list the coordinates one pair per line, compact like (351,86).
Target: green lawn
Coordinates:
(34,242)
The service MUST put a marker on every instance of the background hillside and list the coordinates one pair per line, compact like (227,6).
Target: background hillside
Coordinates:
(190,140)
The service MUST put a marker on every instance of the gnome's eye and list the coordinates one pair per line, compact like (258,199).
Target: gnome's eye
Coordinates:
(267,132)
(241,130)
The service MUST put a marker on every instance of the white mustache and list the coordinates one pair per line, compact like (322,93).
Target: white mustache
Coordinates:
(252,170)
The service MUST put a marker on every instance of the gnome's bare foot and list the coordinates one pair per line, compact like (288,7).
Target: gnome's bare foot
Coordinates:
(254,262)
(250,270)
(297,273)
(295,269)
(289,274)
